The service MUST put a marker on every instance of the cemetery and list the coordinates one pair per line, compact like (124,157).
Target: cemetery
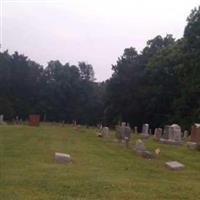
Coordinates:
(54,161)
(98,101)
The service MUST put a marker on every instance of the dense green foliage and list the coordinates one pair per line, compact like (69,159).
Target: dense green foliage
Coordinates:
(57,92)
(159,85)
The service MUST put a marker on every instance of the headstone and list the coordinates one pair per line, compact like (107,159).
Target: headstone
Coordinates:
(123,133)
(174,165)
(136,129)
(168,141)
(127,134)
(74,123)
(166,132)
(175,133)
(139,146)
(122,130)
(105,131)
(142,151)
(123,123)
(145,131)
(192,145)
(195,133)
(17,119)
(171,135)
(185,134)
(157,134)
(1,119)
(62,157)
(147,154)
(34,120)
(20,121)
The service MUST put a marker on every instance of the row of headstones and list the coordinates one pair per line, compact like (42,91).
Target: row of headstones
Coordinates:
(33,120)
(123,133)
(3,122)
(172,134)
(139,147)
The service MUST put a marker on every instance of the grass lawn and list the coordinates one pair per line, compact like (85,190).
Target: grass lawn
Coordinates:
(101,169)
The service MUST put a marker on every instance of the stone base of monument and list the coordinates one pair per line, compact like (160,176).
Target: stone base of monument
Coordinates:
(62,157)
(174,165)
(146,154)
(192,145)
(144,136)
(168,141)
(142,151)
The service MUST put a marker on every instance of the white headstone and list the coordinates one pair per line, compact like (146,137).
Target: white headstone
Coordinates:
(62,157)
(174,165)
(175,133)
(145,129)
(105,131)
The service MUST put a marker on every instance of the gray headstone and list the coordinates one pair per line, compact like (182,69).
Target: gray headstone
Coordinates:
(174,165)
(147,154)
(166,132)
(185,134)
(62,157)
(136,129)
(157,134)
(122,130)
(1,118)
(123,124)
(17,119)
(105,131)
(175,133)
(168,141)
(192,145)
(142,151)
(145,129)
(127,135)
(139,146)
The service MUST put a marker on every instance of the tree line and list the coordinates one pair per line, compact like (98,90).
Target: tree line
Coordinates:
(159,85)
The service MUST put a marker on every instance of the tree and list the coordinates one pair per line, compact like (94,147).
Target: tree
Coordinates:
(86,71)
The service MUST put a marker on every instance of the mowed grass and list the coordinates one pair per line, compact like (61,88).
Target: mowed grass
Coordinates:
(101,169)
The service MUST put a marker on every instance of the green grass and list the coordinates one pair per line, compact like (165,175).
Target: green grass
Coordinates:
(101,169)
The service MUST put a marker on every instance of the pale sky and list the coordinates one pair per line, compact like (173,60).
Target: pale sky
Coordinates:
(95,31)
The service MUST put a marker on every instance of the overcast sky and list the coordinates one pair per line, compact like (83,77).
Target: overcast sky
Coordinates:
(95,31)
